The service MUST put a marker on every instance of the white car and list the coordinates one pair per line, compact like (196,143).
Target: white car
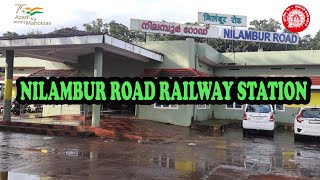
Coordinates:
(307,122)
(259,117)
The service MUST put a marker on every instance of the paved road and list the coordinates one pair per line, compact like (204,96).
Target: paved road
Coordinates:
(26,156)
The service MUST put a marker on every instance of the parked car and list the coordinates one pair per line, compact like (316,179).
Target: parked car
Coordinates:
(1,106)
(259,117)
(307,122)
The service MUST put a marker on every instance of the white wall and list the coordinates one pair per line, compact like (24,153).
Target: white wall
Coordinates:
(32,62)
(54,110)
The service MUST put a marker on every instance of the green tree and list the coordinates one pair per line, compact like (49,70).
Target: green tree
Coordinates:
(265,25)
(220,45)
(32,33)
(306,43)
(63,30)
(122,32)
(10,34)
(96,26)
(315,42)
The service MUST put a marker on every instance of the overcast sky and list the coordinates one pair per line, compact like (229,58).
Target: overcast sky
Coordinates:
(64,13)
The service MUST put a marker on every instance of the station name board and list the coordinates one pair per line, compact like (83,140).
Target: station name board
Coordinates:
(212,32)
(173,28)
(222,19)
(259,36)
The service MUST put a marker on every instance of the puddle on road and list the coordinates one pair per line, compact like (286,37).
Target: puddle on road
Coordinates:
(217,155)
(284,159)
(5,175)
(247,162)
(249,159)
(73,152)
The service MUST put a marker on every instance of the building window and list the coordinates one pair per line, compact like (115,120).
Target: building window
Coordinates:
(279,107)
(234,106)
(275,68)
(165,106)
(203,106)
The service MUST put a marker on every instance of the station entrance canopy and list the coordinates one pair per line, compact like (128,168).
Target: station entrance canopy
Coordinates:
(212,32)
(68,47)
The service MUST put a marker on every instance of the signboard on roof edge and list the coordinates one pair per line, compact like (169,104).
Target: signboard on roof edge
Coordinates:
(259,36)
(173,28)
(212,32)
(222,19)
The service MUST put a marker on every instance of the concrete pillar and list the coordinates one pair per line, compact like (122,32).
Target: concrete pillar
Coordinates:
(97,72)
(8,85)
(191,53)
(4,175)
(193,63)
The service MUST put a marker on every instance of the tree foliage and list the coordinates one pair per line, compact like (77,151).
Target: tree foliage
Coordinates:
(96,26)
(122,32)
(265,25)
(66,30)
(32,33)
(315,42)
(114,29)
(10,34)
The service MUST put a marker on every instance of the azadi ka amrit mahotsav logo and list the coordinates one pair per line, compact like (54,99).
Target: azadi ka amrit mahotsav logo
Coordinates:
(26,15)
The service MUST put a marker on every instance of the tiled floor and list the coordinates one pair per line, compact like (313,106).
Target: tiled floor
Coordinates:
(150,129)
(50,120)
(145,128)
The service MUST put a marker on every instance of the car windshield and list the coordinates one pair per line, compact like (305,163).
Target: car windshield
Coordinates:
(259,108)
(311,113)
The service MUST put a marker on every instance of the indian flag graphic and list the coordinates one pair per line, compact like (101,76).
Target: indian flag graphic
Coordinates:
(33,11)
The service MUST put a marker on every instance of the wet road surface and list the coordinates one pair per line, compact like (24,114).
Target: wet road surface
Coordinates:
(198,156)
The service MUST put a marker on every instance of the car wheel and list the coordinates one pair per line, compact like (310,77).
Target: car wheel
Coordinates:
(297,137)
(271,133)
(244,132)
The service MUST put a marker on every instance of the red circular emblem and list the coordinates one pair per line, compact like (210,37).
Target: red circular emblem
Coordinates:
(296,18)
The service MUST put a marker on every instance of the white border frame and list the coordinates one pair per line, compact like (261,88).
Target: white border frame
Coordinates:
(155,107)
(233,107)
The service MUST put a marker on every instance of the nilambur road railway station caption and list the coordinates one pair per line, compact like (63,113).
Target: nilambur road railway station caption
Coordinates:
(147,91)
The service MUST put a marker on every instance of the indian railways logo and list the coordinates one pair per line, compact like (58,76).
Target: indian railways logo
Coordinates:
(26,15)
(296,18)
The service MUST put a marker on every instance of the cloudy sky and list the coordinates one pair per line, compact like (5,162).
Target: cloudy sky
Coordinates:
(64,13)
